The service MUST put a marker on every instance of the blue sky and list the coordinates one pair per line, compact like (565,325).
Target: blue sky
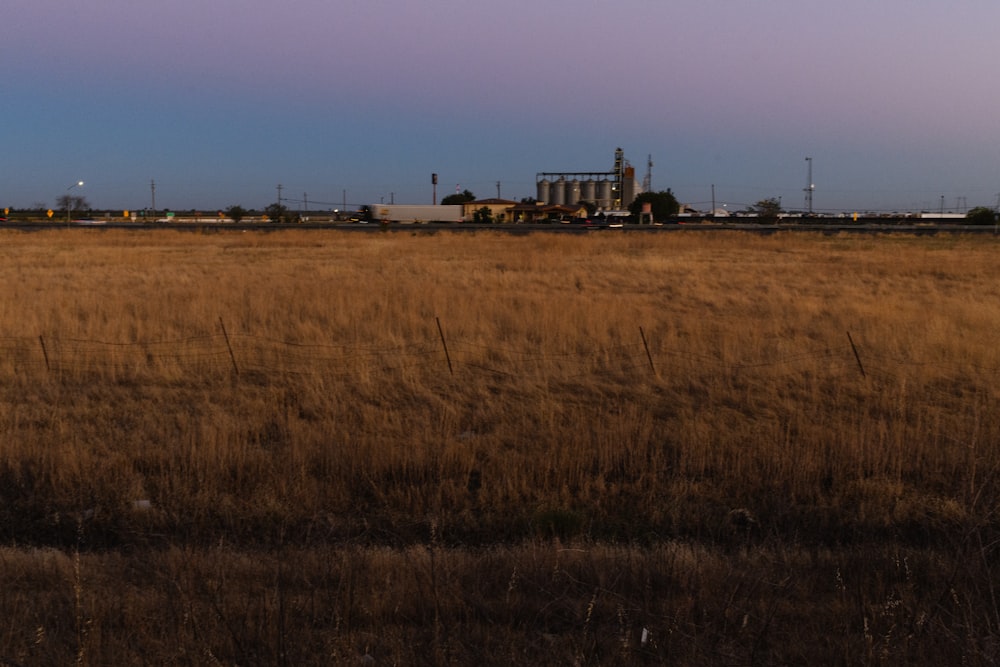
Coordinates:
(219,101)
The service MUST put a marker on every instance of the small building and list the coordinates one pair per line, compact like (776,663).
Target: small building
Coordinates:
(497,209)
(540,212)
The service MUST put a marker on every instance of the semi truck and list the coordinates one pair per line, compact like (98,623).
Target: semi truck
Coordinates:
(415,213)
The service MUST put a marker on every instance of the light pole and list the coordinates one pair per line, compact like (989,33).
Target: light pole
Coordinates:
(69,200)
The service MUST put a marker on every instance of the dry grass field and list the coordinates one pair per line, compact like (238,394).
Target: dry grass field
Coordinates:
(315,448)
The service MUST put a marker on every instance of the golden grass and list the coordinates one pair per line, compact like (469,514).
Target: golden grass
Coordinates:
(749,426)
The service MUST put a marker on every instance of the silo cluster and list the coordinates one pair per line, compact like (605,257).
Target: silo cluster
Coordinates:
(565,191)
(607,190)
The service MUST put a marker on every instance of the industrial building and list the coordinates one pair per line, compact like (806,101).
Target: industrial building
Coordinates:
(611,190)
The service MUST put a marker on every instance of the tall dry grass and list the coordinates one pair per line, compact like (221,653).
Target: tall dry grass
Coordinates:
(749,426)
(548,603)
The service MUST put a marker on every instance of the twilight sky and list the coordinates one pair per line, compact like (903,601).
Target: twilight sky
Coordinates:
(897,102)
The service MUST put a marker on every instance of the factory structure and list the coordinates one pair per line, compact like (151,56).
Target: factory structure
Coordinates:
(561,195)
(611,190)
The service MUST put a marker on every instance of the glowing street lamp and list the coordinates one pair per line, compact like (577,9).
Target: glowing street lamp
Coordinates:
(69,200)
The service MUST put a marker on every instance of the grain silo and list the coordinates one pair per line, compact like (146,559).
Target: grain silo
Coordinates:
(544,191)
(558,192)
(588,190)
(572,196)
(604,193)
(628,186)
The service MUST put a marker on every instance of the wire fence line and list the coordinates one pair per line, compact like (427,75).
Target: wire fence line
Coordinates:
(259,353)
(228,353)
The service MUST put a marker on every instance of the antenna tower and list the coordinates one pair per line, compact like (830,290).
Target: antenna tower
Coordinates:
(647,182)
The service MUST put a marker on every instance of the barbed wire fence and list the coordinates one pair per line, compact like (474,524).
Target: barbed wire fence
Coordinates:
(230,354)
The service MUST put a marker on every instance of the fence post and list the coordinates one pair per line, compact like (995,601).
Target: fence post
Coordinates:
(232,357)
(648,355)
(45,353)
(444,344)
(857,357)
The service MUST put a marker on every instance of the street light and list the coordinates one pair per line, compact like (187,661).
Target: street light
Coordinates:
(69,200)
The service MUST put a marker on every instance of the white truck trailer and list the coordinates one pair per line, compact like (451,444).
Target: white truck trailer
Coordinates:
(415,213)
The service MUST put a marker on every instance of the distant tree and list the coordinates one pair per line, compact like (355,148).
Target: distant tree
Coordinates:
(981,215)
(71,203)
(663,204)
(528,200)
(281,213)
(483,215)
(235,213)
(277,213)
(767,210)
(458,198)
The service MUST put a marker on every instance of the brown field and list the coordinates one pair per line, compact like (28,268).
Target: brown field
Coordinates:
(315,448)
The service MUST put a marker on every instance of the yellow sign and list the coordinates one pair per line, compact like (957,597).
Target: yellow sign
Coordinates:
(6,211)
(49,213)
(125,213)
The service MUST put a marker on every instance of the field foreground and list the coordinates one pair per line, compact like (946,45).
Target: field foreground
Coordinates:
(324,448)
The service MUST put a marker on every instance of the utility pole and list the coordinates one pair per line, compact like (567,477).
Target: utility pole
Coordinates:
(713,200)
(279,195)
(498,189)
(809,186)
(305,201)
(152,190)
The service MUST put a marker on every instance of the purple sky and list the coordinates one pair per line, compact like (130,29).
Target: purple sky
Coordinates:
(219,101)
